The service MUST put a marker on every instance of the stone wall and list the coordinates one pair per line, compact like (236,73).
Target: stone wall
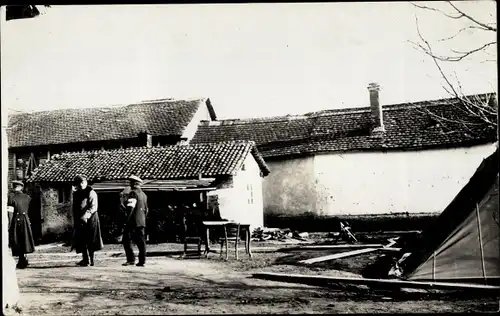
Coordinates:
(56,217)
(311,222)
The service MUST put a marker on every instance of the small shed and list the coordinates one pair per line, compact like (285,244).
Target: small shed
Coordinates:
(228,172)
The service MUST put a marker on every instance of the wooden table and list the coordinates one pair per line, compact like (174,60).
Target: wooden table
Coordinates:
(213,224)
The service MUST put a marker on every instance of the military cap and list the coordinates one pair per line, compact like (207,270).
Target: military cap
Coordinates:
(79,179)
(17,182)
(135,179)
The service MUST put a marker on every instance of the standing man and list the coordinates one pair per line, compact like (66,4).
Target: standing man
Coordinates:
(87,229)
(123,210)
(20,235)
(135,223)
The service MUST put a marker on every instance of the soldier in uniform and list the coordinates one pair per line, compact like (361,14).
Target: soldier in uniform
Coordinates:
(20,235)
(87,231)
(135,223)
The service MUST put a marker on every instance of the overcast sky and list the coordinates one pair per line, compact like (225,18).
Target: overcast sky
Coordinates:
(250,59)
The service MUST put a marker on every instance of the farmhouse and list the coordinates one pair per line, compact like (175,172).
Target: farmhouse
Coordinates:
(392,159)
(34,138)
(231,171)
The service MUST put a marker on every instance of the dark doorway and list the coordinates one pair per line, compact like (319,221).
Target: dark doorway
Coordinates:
(110,216)
(35,212)
(164,220)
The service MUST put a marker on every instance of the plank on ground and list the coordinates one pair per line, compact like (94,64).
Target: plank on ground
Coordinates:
(327,247)
(325,280)
(338,255)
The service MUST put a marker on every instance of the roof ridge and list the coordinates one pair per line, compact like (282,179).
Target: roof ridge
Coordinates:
(171,100)
(328,112)
(188,163)
(146,148)
(108,107)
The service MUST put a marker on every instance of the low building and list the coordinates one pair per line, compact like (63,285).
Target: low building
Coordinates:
(34,138)
(231,171)
(379,160)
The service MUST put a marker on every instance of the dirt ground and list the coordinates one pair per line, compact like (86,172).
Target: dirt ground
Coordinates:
(53,285)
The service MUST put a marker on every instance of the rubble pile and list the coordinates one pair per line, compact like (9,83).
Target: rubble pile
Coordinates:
(265,234)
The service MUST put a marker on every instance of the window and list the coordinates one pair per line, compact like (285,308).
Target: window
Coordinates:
(64,194)
(250,195)
(60,194)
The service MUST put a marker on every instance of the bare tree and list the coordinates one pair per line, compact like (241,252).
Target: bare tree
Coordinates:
(473,112)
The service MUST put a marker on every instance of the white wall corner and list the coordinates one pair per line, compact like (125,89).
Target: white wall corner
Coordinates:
(202,114)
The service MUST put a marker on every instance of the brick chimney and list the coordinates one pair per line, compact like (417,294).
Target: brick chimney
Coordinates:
(376,108)
(146,139)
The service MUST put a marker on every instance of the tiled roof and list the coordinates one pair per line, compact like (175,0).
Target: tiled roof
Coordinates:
(420,125)
(160,117)
(170,162)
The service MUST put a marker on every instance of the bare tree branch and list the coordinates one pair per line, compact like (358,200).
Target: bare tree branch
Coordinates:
(434,58)
(488,61)
(472,51)
(462,54)
(458,15)
(436,10)
(471,112)
(462,14)
(470,27)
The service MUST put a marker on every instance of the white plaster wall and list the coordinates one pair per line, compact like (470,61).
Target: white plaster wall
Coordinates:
(248,190)
(289,188)
(395,182)
(201,114)
(235,203)
(227,203)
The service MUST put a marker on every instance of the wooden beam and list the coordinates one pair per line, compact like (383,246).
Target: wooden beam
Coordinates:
(389,249)
(338,255)
(392,242)
(394,232)
(336,247)
(381,283)
(14,156)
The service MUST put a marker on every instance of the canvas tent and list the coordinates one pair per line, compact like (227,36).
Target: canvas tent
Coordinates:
(463,244)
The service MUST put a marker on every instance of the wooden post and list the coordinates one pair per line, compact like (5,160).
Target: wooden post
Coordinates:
(434,266)
(48,154)
(10,294)
(14,156)
(32,164)
(498,120)
(480,242)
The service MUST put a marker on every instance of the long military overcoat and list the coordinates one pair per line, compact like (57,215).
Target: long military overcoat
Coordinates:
(20,235)
(86,234)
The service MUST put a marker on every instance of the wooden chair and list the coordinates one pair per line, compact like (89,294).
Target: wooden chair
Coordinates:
(193,232)
(231,233)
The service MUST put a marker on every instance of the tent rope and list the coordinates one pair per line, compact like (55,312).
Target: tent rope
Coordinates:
(480,242)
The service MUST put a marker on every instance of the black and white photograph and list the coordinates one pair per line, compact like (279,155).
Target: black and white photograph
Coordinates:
(250,158)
